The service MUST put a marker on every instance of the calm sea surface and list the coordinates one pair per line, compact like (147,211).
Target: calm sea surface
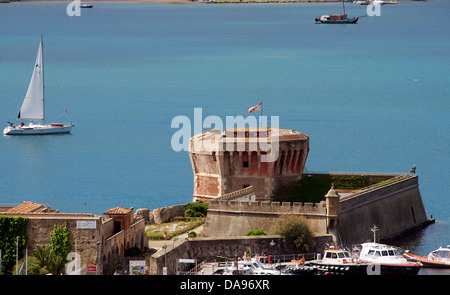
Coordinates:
(373,97)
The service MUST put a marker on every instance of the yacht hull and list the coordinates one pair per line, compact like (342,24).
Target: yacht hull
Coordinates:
(394,269)
(37,130)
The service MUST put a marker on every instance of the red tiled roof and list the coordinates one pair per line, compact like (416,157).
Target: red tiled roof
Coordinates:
(25,207)
(118,211)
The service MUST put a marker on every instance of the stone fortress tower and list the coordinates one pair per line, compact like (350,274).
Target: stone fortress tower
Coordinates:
(265,158)
(268,159)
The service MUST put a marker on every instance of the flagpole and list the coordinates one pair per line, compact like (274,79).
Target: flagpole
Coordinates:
(26,262)
(260,117)
(17,254)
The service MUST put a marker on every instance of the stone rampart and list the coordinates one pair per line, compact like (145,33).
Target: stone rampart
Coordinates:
(394,208)
(234,218)
(266,207)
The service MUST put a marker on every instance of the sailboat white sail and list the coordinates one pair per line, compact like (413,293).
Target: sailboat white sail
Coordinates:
(33,106)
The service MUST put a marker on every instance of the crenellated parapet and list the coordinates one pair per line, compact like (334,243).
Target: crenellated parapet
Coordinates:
(266,207)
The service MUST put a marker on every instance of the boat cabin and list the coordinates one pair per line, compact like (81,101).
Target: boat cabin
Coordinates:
(334,17)
(381,252)
(440,255)
(336,256)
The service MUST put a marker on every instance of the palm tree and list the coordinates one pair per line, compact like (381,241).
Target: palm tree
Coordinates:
(47,259)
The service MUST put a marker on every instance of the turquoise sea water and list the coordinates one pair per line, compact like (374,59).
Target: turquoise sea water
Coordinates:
(373,97)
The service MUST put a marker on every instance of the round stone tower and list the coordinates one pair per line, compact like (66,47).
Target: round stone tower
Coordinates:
(265,158)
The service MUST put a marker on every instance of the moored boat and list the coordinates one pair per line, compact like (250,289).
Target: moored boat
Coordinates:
(439,258)
(252,266)
(387,259)
(86,5)
(339,261)
(336,18)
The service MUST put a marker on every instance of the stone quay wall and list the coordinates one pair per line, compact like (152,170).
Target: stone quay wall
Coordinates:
(216,249)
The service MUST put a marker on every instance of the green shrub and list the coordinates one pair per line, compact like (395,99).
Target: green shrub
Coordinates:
(256,232)
(196,209)
(155,236)
(295,233)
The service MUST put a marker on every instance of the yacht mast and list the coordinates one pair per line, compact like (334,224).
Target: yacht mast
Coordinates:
(43,85)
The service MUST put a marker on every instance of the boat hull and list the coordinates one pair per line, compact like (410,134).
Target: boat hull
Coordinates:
(352,20)
(426,262)
(395,269)
(341,269)
(37,130)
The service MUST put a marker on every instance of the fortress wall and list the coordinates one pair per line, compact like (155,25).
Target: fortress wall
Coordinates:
(394,209)
(213,249)
(234,218)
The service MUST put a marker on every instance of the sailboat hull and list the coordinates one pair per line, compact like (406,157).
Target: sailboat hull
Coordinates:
(352,20)
(37,129)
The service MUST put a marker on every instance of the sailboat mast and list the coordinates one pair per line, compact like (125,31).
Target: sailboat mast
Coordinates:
(343,6)
(43,85)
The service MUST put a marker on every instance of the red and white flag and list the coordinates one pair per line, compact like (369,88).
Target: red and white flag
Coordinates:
(255,108)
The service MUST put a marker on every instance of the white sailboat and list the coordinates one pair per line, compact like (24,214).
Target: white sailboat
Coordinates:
(33,106)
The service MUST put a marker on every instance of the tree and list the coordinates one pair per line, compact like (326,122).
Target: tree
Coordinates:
(60,240)
(195,209)
(45,260)
(13,233)
(295,233)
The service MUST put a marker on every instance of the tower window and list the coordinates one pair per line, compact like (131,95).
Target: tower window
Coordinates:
(245,164)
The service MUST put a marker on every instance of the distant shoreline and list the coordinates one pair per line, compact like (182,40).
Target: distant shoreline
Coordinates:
(210,1)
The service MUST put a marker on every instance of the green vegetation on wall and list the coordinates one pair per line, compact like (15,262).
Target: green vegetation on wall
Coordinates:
(60,239)
(313,187)
(12,230)
(256,232)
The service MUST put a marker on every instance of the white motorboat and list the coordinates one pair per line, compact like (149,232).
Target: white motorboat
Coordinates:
(251,267)
(439,258)
(387,259)
(339,261)
(33,106)
(86,5)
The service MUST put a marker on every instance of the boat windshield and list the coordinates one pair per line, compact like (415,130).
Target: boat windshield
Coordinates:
(335,255)
(443,253)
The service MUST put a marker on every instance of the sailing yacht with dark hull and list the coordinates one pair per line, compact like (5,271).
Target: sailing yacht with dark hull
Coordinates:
(336,18)
(33,106)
